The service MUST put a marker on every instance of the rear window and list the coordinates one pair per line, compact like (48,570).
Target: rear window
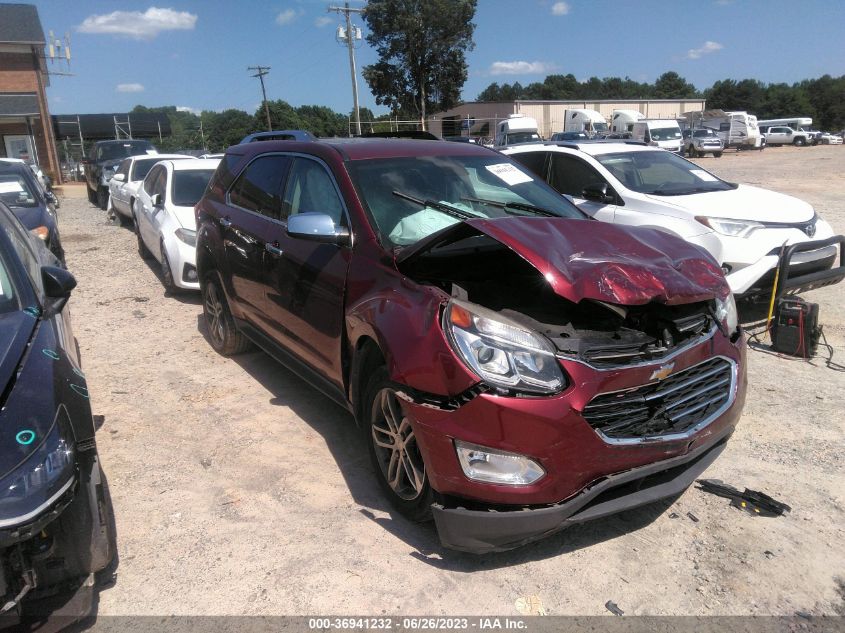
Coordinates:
(115,151)
(15,191)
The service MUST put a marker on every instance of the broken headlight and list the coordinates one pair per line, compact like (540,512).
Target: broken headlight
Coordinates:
(726,312)
(501,352)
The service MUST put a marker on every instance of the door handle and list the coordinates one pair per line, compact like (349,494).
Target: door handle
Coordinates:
(225,222)
(273,250)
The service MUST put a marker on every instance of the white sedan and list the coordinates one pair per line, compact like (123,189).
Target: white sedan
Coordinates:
(742,227)
(164,218)
(124,185)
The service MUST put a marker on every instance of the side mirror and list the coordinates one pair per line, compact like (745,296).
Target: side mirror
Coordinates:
(157,200)
(119,177)
(317,227)
(597,192)
(52,199)
(58,284)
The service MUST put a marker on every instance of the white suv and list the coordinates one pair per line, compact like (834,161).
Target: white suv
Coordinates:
(743,227)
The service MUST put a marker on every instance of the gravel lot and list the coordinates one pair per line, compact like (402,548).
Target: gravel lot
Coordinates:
(238,489)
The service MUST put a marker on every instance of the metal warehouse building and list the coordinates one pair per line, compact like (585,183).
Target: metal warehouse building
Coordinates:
(479,118)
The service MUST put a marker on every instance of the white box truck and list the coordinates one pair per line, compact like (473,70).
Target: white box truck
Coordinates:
(663,133)
(517,128)
(590,122)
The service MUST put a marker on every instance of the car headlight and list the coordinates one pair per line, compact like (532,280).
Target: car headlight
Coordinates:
(41,232)
(502,352)
(498,467)
(188,236)
(732,228)
(726,312)
(32,484)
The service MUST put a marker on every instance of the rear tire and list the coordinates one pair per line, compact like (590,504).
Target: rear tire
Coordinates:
(394,451)
(143,251)
(223,334)
(92,195)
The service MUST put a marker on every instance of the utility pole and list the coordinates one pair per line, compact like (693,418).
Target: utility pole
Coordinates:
(350,44)
(260,71)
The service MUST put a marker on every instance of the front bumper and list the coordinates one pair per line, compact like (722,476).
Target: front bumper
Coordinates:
(579,462)
(183,259)
(480,531)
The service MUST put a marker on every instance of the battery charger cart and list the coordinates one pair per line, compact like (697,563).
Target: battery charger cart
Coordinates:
(794,322)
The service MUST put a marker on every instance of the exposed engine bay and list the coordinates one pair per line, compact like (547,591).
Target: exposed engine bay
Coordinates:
(483,271)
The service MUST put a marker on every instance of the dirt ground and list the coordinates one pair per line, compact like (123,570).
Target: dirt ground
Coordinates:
(238,489)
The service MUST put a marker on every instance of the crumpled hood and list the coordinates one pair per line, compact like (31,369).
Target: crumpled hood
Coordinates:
(743,203)
(583,259)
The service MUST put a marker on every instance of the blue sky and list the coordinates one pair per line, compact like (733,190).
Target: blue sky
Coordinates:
(194,53)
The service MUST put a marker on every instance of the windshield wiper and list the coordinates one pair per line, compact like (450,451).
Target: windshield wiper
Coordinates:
(519,206)
(443,208)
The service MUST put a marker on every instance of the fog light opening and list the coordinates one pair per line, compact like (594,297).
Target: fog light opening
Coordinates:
(489,465)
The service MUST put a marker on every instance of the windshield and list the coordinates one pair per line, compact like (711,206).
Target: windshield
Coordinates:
(522,137)
(706,133)
(409,198)
(188,186)
(661,173)
(665,133)
(15,191)
(600,128)
(115,151)
(8,296)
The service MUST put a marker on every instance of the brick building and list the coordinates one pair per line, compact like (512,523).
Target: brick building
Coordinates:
(25,124)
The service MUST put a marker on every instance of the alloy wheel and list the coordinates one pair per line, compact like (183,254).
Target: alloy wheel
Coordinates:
(214,314)
(396,447)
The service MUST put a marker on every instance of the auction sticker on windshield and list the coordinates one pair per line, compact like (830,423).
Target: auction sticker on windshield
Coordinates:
(10,187)
(703,175)
(510,174)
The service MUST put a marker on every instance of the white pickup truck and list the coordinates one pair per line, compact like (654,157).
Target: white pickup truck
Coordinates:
(782,135)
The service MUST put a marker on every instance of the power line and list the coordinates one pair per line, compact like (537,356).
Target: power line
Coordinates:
(350,35)
(260,71)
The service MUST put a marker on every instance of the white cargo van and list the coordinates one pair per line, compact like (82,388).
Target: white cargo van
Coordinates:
(517,128)
(663,133)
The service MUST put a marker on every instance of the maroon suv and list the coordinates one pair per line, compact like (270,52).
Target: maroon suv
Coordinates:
(515,367)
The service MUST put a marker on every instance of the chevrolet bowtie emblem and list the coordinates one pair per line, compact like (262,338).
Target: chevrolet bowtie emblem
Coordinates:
(662,372)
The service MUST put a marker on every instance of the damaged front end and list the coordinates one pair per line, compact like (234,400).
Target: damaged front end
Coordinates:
(639,304)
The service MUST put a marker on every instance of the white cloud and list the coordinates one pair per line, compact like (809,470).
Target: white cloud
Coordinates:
(560,8)
(287,16)
(130,88)
(323,21)
(137,25)
(196,111)
(520,68)
(709,47)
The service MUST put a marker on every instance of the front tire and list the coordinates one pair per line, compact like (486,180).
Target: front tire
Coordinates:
(143,251)
(223,334)
(394,451)
(167,272)
(103,198)
(799,142)
(717,154)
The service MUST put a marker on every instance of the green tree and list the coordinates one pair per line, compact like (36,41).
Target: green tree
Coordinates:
(226,128)
(421,45)
(670,85)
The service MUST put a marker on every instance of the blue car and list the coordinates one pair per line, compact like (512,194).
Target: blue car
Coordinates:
(32,204)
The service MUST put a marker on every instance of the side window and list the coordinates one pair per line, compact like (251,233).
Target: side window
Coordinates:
(160,182)
(310,188)
(570,175)
(535,161)
(25,251)
(149,181)
(259,187)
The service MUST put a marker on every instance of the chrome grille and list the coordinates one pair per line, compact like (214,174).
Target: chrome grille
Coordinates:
(672,406)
